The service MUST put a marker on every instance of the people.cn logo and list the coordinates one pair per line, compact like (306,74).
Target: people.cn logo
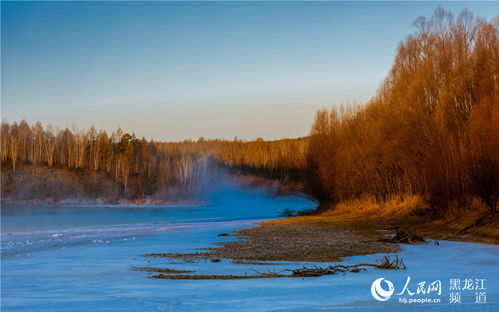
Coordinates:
(379,293)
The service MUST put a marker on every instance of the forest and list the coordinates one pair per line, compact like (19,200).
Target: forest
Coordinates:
(48,163)
(432,131)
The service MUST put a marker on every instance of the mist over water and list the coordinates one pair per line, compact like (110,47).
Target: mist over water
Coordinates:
(199,181)
(29,228)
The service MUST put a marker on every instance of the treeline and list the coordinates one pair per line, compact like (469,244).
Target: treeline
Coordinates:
(139,167)
(432,129)
(122,156)
(275,159)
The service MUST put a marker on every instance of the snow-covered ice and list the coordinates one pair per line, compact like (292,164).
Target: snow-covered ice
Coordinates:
(81,259)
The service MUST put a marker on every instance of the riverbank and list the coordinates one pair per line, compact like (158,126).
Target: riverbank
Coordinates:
(357,228)
(473,223)
(350,229)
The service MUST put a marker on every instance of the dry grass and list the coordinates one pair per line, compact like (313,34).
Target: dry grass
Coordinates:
(368,208)
(472,223)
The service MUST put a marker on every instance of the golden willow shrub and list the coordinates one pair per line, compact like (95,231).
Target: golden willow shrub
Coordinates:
(433,128)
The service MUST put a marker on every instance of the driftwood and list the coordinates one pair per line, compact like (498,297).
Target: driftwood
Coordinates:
(404,237)
(385,263)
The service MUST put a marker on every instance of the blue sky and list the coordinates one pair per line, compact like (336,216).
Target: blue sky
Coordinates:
(179,70)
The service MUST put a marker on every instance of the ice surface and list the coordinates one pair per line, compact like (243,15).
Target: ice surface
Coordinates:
(85,265)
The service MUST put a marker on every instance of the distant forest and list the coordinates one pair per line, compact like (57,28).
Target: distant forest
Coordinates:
(432,131)
(121,166)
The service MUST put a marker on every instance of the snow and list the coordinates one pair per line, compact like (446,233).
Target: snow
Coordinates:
(80,266)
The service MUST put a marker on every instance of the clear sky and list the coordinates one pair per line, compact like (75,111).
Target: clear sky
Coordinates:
(179,70)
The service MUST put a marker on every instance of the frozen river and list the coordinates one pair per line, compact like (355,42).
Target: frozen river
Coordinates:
(81,259)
